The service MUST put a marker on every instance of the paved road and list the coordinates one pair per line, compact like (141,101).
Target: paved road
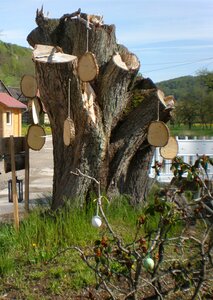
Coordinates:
(41,177)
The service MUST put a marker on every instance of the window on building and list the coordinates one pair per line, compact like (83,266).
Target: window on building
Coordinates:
(8,118)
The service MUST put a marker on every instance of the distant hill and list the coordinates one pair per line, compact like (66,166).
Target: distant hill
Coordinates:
(15,61)
(186,86)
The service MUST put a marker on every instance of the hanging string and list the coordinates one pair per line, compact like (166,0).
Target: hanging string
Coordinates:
(87,35)
(158,110)
(97,209)
(69,98)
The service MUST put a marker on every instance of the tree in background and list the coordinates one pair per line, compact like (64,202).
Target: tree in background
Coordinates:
(194,98)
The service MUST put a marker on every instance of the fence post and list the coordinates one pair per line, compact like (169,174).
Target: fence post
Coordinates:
(14,189)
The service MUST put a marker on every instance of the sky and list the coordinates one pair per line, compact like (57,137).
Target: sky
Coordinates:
(171,38)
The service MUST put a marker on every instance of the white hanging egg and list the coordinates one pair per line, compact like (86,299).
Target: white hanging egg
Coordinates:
(96,221)
(148,263)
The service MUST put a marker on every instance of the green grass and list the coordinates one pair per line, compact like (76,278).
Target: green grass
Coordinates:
(196,130)
(182,130)
(41,253)
(39,260)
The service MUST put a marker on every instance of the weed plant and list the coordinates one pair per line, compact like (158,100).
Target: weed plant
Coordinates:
(41,253)
(44,234)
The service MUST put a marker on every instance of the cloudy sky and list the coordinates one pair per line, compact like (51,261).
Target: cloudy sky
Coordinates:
(171,38)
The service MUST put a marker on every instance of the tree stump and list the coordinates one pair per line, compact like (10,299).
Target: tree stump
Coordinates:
(110,141)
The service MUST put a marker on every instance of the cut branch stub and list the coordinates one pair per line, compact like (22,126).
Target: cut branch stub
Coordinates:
(168,101)
(114,84)
(50,54)
(127,61)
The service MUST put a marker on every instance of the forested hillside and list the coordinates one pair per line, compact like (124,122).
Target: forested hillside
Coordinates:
(15,61)
(181,86)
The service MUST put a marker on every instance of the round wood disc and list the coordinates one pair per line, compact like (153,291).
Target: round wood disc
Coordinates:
(36,110)
(36,137)
(69,132)
(158,134)
(170,151)
(87,67)
(29,86)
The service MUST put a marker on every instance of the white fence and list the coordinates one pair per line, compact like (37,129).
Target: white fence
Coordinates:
(187,149)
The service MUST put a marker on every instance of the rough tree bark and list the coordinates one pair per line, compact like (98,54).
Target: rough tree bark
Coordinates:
(110,142)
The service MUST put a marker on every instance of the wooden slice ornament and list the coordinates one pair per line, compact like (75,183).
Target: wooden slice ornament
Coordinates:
(36,137)
(87,65)
(36,109)
(29,86)
(69,127)
(170,150)
(158,133)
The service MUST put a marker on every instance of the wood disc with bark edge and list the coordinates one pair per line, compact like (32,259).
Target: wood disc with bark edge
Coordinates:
(87,67)
(170,150)
(36,137)
(36,109)
(69,132)
(158,134)
(29,86)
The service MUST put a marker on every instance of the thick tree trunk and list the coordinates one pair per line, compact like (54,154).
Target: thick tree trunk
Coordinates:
(110,142)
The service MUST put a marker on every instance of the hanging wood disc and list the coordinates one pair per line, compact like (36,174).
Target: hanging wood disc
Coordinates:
(158,134)
(36,137)
(29,86)
(36,109)
(170,151)
(69,132)
(87,67)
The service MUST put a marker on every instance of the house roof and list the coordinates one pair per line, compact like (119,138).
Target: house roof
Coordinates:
(11,102)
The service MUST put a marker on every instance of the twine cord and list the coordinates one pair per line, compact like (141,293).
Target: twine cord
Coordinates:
(97,210)
(158,110)
(87,35)
(69,98)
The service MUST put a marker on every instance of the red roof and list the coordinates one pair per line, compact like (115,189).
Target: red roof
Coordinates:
(11,102)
